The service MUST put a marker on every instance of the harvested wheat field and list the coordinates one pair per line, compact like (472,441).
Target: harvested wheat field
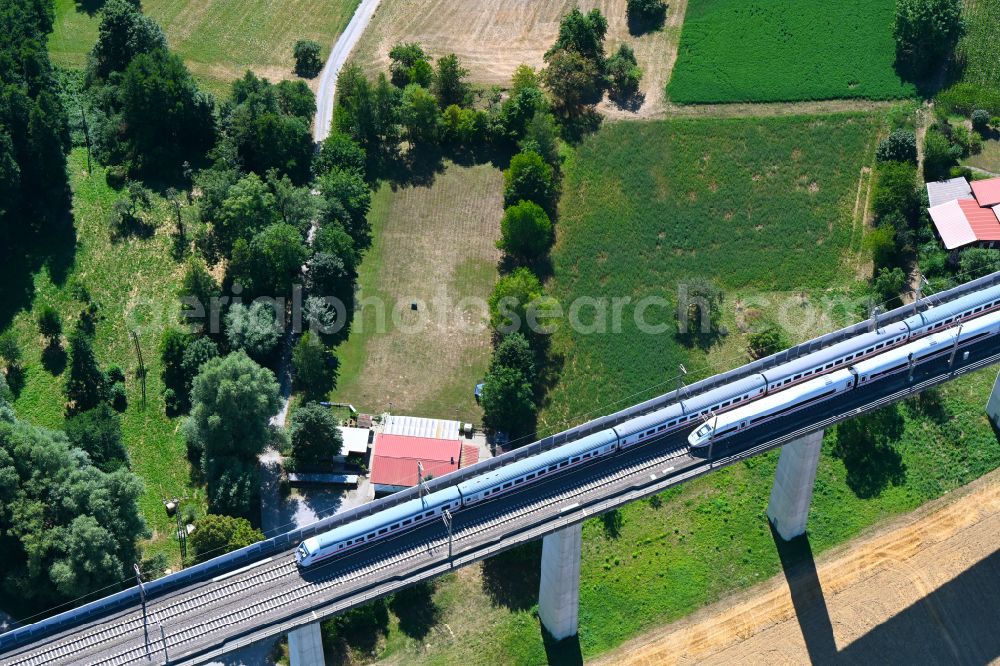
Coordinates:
(493,38)
(435,246)
(922,589)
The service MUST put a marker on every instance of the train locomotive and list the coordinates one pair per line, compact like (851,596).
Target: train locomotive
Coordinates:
(717,413)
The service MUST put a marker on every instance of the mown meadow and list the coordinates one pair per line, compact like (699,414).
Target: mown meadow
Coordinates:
(771,51)
(218,39)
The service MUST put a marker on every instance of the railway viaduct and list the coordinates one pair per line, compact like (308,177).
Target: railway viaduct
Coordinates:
(212,609)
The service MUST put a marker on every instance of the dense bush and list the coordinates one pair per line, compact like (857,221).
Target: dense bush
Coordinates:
(939,156)
(900,146)
(98,432)
(216,535)
(307,62)
(529,178)
(895,190)
(645,14)
(525,231)
(624,74)
(510,301)
(254,329)
(508,402)
(963,98)
(981,121)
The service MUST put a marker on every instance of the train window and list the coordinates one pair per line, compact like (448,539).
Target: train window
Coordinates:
(407,521)
(564,463)
(661,428)
(530,477)
(650,432)
(574,459)
(508,484)
(429,514)
(553,468)
(383,530)
(798,376)
(394,526)
(517,481)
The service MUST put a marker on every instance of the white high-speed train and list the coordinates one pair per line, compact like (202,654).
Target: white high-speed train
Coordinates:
(719,413)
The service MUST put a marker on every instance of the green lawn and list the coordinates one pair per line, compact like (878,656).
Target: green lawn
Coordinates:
(134,283)
(218,39)
(774,51)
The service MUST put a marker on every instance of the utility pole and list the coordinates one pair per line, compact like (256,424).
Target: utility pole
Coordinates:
(680,379)
(919,294)
(875,313)
(142,598)
(163,637)
(711,440)
(909,360)
(446,517)
(421,488)
(954,349)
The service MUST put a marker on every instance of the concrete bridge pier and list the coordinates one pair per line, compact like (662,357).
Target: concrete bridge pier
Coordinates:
(993,405)
(305,646)
(792,491)
(559,589)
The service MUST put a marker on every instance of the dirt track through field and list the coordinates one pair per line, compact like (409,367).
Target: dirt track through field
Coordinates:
(921,589)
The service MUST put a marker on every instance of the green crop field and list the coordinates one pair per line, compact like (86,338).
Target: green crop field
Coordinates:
(979,51)
(643,206)
(771,51)
(134,282)
(218,39)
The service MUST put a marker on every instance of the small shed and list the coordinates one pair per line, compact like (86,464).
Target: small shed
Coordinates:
(356,441)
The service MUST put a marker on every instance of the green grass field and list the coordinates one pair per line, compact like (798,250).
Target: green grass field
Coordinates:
(643,205)
(434,245)
(218,39)
(978,49)
(134,283)
(762,207)
(771,51)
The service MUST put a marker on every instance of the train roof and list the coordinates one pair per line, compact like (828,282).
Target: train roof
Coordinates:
(544,459)
(834,352)
(779,398)
(718,395)
(952,308)
(389,516)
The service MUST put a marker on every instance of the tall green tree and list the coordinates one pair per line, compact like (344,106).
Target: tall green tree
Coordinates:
(449,82)
(124,33)
(529,178)
(98,432)
(315,366)
(253,329)
(525,231)
(315,435)
(420,116)
(508,402)
(69,528)
(233,400)
(166,119)
(926,32)
(86,385)
(307,62)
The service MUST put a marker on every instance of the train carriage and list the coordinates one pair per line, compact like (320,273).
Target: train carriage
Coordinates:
(835,356)
(508,477)
(395,519)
